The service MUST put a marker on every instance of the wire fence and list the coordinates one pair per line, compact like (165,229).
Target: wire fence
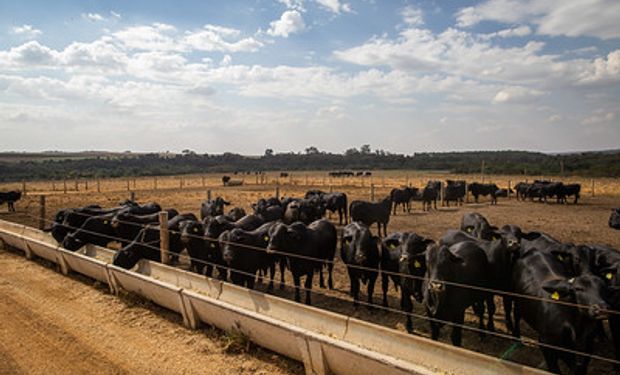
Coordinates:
(523,340)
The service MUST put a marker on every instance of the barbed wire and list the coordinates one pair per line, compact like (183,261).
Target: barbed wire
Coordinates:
(523,340)
(498,292)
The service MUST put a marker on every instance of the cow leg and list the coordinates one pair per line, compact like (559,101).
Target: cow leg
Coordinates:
(457,329)
(551,359)
(517,320)
(297,282)
(384,229)
(308,286)
(250,281)
(355,287)
(272,274)
(491,311)
(371,288)
(282,268)
(378,229)
(209,270)
(330,272)
(321,280)
(407,306)
(478,308)
(507,301)
(385,283)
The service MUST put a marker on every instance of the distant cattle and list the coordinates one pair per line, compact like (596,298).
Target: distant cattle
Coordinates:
(477,189)
(454,191)
(341,174)
(225,180)
(334,202)
(430,194)
(403,197)
(614,219)
(10,198)
(371,212)
(284,174)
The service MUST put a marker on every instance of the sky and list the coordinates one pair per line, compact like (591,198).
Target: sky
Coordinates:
(244,76)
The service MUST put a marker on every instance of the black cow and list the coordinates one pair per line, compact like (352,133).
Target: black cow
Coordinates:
(268,209)
(359,248)
(193,240)
(430,194)
(614,218)
(454,191)
(539,275)
(501,253)
(127,225)
(333,202)
(521,190)
(226,179)
(304,210)
(10,198)
(147,244)
(371,212)
(572,189)
(463,263)
(404,253)
(477,189)
(503,193)
(283,174)
(245,253)
(61,226)
(403,197)
(318,240)
(213,207)
(96,230)
(236,213)
(478,226)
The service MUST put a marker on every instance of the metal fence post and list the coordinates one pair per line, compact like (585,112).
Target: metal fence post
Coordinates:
(164,237)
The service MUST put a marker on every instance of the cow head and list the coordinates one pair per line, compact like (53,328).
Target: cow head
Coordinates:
(358,245)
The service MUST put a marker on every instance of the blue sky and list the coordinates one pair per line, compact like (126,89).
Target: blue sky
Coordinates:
(243,76)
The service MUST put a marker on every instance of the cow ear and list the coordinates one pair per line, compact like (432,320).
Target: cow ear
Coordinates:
(428,242)
(559,290)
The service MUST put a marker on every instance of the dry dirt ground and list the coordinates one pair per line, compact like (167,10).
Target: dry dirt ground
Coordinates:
(184,350)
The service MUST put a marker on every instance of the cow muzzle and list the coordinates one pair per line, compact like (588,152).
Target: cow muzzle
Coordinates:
(599,311)
(437,286)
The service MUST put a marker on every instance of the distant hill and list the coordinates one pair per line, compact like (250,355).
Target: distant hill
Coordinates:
(53,165)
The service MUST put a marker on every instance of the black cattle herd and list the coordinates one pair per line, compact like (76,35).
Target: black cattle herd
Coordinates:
(562,290)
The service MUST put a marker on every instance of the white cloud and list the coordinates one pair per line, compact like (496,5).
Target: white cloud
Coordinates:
(94,17)
(599,116)
(335,6)
(226,60)
(293,4)
(601,70)
(412,16)
(290,22)
(554,118)
(519,31)
(158,37)
(27,31)
(218,38)
(597,18)
(115,14)
(516,94)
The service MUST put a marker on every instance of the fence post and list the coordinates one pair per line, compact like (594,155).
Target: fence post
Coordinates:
(155,183)
(442,194)
(24,188)
(98,185)
(86,185)
(164,237)
(53,185)
(466,192)
(331,189)
(209,194)
(372,192)
(592,187)
(181,183)
(132,196)
(64,184)
(134,182)
(277,192)
(383,181)
(128,185)
(76,185)
(41,212)
(509,187)
(306,180)
(203,180)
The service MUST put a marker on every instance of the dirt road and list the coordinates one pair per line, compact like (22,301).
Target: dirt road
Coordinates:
(54,324)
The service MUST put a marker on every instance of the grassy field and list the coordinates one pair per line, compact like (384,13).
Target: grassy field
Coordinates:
(582,223)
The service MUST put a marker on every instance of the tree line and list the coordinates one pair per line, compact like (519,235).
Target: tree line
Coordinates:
(590,164)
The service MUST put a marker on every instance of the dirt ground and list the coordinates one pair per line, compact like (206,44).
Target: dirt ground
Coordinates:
(582,223)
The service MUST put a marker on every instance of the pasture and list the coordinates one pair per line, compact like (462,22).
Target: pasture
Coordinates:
(582,223)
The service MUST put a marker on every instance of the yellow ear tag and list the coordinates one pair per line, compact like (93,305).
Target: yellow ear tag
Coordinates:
(105,222)
(560,257)
(495,238)
(266,238)
(417,264)
(392,246)
(469,229)
(195,230)
(609,276)
(213,246)
(555,295)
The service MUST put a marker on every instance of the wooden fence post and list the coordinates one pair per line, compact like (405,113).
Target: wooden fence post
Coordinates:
(77,185)
(277,192)
(592,187)
(132,196)
(41,212)
(155,183)
(64,183)
(181,183)
(98,185)
(203,180)
(442,194)
(383,181)
(466,192)
(24,192)
(164,237)
(128,185)
(372,192)
(134,182)
(86,185)
(209,194)
(509,187)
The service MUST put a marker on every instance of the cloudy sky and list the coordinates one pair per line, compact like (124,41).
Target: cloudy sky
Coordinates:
(242,76)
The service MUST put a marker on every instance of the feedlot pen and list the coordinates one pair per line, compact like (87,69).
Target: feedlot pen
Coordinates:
(582,223)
